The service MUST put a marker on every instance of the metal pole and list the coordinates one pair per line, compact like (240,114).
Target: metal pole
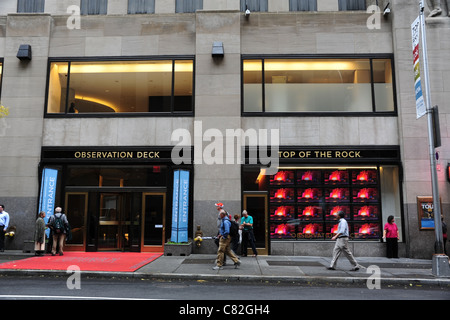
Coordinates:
(439,248)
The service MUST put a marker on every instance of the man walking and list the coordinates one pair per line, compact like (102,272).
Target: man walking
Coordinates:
(58,223)
(341,245)
(224,242)
(4,223)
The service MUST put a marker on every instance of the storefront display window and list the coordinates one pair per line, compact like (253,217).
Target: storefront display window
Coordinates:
(308,208)
(117,87)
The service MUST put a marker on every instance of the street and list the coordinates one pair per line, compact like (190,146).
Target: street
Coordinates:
(42,288)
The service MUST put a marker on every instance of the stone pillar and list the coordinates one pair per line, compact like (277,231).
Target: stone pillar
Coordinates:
(217,108)
(23,92)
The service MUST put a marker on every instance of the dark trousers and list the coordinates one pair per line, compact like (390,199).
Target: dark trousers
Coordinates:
(247,235)
(392,247)
(2,238)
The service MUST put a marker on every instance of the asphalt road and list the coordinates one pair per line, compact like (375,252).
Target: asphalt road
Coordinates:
(42,288)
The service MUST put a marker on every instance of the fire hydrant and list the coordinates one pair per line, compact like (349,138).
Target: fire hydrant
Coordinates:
(198,237)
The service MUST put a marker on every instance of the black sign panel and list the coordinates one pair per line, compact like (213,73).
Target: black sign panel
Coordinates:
(321,154)
(109,154)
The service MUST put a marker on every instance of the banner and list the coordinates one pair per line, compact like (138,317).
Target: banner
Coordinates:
(420,103)
(180,206)
(48,194)
(175,201)
(183,207)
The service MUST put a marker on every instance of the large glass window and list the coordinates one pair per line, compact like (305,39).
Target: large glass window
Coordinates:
(325,85)
(254,5)
(186,6)
(94,7)
(141,6)
(304,201)
(351,5)
(302,5)
(156,86)
(30,6)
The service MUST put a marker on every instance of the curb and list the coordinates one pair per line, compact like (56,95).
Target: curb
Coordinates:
(300,280)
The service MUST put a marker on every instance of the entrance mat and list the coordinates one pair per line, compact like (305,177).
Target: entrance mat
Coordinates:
(86,261)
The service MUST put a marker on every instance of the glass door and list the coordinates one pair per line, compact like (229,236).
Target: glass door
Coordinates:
(256,206)
(153,223)
(109,226)
(76,211)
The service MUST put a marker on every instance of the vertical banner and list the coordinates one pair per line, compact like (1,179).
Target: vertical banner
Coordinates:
(175,201)
(48,193)
(420,103)
(183,207)
(180,206)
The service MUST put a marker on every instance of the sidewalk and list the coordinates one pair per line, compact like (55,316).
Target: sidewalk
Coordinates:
(267,269)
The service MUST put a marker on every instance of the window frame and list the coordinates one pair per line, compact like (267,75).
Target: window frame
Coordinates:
(342,6)
(35,4)
(82,8)
(297,10)
(181,4)
(172,113)
(371,57)
(1,76)
(254,6)
(128,9)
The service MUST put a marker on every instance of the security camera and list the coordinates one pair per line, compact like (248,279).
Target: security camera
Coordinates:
(386,10)
(247,12)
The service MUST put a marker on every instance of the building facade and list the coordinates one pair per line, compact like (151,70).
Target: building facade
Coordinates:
(112,86)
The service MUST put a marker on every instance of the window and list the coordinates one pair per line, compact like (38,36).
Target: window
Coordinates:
(141,6)
(186,6)
(319,85)
(1,76)
(254,5)
(94,7)
(302,5)
(304,201)
(349,5)
(110,87)
(30,6)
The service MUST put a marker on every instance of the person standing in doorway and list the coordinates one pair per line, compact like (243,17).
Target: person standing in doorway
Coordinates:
(247,234)
(4,224)
(391,235)
(224,242)
(58,223)
(341,245)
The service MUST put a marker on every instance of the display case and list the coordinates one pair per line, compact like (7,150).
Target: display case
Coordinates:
(304,203)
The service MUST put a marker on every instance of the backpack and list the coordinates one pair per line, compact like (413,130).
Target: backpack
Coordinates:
(58,225)
(234,229)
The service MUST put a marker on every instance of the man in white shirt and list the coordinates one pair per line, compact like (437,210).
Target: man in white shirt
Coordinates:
(341,245)
(4,223)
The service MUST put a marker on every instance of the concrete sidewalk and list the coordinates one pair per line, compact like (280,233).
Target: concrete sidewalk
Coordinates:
(268,269)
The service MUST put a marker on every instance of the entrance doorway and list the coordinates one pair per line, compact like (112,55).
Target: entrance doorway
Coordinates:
(116,221)
(256,206)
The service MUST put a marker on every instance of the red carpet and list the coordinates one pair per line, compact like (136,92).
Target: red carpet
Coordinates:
(86,261)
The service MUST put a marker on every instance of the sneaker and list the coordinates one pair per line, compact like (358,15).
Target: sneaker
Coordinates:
(237,264)
(217,268)
(356,268)
(331,268)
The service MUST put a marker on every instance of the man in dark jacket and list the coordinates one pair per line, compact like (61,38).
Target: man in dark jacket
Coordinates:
(59,234)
